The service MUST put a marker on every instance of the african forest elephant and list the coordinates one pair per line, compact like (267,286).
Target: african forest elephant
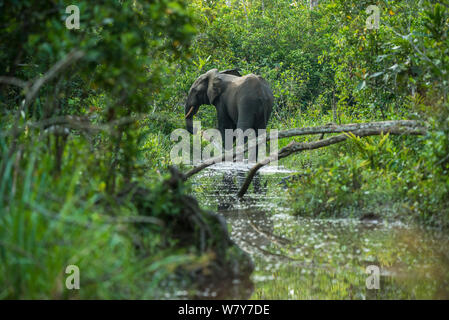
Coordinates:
(241,102)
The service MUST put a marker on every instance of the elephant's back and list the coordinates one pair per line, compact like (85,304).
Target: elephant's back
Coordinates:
(258,85)
(255,97)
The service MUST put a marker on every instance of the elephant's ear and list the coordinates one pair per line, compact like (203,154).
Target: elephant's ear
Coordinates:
(214,88)
(234,72)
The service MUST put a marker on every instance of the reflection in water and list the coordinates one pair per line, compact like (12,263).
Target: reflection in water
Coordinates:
(306,258)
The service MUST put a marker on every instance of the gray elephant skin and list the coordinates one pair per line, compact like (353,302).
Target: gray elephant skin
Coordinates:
(242,102)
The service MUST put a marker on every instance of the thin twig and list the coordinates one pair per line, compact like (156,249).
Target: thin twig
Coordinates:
(31,92)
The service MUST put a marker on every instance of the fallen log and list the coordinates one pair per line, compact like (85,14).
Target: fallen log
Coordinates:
(329,128)
(334,128)
(371,129)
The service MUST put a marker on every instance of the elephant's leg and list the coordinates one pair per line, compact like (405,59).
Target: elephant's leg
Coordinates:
(224,122)
(260,125)
(245,122)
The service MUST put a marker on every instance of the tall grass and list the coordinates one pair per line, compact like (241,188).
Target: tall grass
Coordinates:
(48,222)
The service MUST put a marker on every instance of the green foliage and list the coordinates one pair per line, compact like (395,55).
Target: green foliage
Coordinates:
(60,175)
(373,151)
(123,44)
(48,224)
(333,191)
(66,154)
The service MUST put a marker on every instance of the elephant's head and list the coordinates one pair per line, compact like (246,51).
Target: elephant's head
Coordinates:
(203,91)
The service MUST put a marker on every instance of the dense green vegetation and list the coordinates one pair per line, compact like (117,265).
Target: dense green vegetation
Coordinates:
(75,188)
(324,65)
(75,147)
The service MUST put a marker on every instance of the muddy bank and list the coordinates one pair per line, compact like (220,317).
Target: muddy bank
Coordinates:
(221,269)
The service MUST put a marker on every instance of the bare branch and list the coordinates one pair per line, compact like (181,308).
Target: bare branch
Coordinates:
(294,147)
(13,81)
(330,128)
(32,91)
(334,128)
(83,123)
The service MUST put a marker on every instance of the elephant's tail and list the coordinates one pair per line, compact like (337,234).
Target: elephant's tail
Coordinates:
(266,115)
(267,110)
(268,99)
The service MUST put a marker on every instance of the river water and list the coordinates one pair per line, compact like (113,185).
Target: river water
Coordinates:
(310,258)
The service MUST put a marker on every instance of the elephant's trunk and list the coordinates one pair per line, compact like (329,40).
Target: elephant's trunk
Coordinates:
(189,125)
(189,118)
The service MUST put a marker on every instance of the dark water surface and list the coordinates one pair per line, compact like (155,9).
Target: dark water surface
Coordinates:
(308,258)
